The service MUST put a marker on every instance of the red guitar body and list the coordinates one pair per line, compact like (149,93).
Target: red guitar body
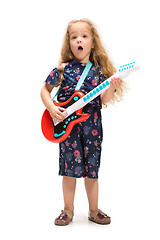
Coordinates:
(60,132)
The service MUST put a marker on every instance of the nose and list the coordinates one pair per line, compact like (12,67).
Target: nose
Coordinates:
(79,39)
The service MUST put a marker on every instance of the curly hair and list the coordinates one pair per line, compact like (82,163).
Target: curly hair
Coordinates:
(98,57)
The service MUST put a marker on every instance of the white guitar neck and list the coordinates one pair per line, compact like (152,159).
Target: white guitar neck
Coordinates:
(122,73)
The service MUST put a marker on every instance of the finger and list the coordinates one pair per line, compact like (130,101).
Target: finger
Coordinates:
(62,109)
(61,114)
(113,83)
(112,80)
(59,118)
(56,116)
(119,82)
(116,82)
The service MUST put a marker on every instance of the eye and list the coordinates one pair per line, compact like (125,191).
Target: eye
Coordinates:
(74,37)
(84,35)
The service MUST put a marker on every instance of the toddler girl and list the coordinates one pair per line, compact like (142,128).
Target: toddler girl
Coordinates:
(80,153)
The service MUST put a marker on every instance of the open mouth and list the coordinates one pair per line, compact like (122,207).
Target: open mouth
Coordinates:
(80,48)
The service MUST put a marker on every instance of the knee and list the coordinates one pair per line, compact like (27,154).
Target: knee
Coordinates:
(91,180)
(69,179)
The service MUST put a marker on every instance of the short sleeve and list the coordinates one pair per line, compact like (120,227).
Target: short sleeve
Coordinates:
(54,77)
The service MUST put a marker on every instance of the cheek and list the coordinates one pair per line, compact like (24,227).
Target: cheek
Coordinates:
(72,46)
(89,46)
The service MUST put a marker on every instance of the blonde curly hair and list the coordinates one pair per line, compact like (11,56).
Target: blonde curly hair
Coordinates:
(98,57)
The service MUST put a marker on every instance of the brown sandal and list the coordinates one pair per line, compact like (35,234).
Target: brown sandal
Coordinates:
(64,218)
(99,217)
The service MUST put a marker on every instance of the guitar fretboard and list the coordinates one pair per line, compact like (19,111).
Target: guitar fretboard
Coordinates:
(89,96)
(122,73)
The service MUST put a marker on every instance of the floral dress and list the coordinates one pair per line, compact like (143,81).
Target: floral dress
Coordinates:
(79,154)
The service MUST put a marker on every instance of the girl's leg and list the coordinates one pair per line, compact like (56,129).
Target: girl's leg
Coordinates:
(91,186)
(69,186)
(95,215)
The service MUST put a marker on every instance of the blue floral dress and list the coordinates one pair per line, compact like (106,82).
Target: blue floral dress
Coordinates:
(79,154)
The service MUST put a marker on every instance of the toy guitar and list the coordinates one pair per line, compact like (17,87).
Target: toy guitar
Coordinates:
(57,132)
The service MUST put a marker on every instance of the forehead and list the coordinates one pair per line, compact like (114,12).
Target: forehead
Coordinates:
(79,27)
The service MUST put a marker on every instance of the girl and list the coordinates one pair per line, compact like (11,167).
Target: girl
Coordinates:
(80,152)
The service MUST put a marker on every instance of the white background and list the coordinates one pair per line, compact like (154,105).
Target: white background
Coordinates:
(31,196)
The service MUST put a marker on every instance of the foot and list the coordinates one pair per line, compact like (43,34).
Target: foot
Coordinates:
(64,218)
(99,217)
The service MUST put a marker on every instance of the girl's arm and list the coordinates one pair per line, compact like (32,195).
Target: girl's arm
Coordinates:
(55,111)
(108,94)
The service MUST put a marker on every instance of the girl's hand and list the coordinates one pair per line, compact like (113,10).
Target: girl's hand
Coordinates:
(115,82)
(56,113)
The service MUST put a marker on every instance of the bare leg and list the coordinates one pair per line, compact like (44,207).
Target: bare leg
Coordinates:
(91,186)
(69,186)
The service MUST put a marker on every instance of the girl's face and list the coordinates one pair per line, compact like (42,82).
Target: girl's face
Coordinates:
(80,41)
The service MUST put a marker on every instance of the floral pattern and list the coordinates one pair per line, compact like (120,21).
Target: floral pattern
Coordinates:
(80,153)
(72,73)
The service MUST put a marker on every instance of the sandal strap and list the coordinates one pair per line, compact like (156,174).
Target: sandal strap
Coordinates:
(99,217)
(98,213)
(64,218)
(64,215)
(67,211)
(102,213)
